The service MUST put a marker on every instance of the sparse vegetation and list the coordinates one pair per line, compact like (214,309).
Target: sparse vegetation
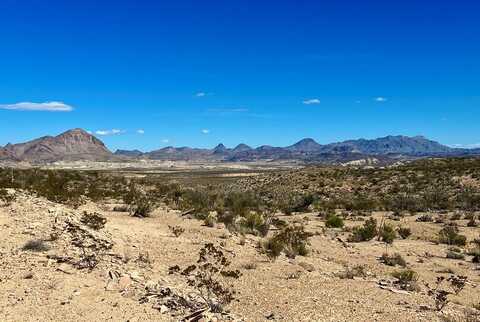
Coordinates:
(406,279)
(334,221)
(365,233)
(292,240)
(450,235)
(440,295)
(93,220)
(393,260)
(209,277)
(177,231)
(404,232)
(36,245)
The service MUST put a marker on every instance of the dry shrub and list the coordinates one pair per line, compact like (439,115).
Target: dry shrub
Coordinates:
(93,220)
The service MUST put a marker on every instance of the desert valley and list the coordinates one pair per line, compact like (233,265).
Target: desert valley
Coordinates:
(95,235)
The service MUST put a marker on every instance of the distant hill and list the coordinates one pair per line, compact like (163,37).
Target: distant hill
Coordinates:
(77,144)
(417,145)
(129,153)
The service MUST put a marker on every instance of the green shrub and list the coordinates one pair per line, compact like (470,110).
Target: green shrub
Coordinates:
(210,221)
(406,279)
(296,203)
(365,233)
(142,207)
(393,260)
(334,221)
(255,223)
(387,233)
(450,235)
(292,240)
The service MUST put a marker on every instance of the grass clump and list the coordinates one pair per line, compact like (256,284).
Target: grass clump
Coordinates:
(387,233)
(404,232)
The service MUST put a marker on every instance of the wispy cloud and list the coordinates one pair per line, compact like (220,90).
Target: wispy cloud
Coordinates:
(227,110)
(46,106)
(381,99)
(165,140)
(311,101)
(205,131)
(466,146)
(140,131)
(110,132)
(201,94)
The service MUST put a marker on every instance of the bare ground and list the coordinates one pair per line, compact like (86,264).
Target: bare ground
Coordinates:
(37,287)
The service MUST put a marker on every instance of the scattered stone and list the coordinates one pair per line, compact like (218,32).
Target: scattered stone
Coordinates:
(307,266)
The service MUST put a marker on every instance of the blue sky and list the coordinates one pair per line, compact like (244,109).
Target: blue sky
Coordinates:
(261,72)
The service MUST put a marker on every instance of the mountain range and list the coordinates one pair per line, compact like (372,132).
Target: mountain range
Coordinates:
(78,144)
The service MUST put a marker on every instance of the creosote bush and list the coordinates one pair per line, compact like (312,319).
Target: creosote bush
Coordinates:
(364,233)
(334,221)
(393,260)
(406,279)
(450,235)
(292,240)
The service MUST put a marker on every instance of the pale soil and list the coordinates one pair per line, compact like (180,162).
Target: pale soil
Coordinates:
(283,289)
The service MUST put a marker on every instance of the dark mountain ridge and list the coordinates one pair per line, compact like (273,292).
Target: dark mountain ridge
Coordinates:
(78,144)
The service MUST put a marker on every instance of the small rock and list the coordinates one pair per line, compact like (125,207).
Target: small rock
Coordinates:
(164,309)
(65,268)
(124,282)
(307,266)
(28,276)
(135,276)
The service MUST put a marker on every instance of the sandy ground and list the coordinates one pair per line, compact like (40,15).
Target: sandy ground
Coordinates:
(35,288)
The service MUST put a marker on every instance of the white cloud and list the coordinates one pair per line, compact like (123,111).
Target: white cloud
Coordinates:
(140,131)
(201,94)
(205,131)
(46,106)
(227,110)
(110,132)
(165,140)
(311,101)
(380,99)
(466,146)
